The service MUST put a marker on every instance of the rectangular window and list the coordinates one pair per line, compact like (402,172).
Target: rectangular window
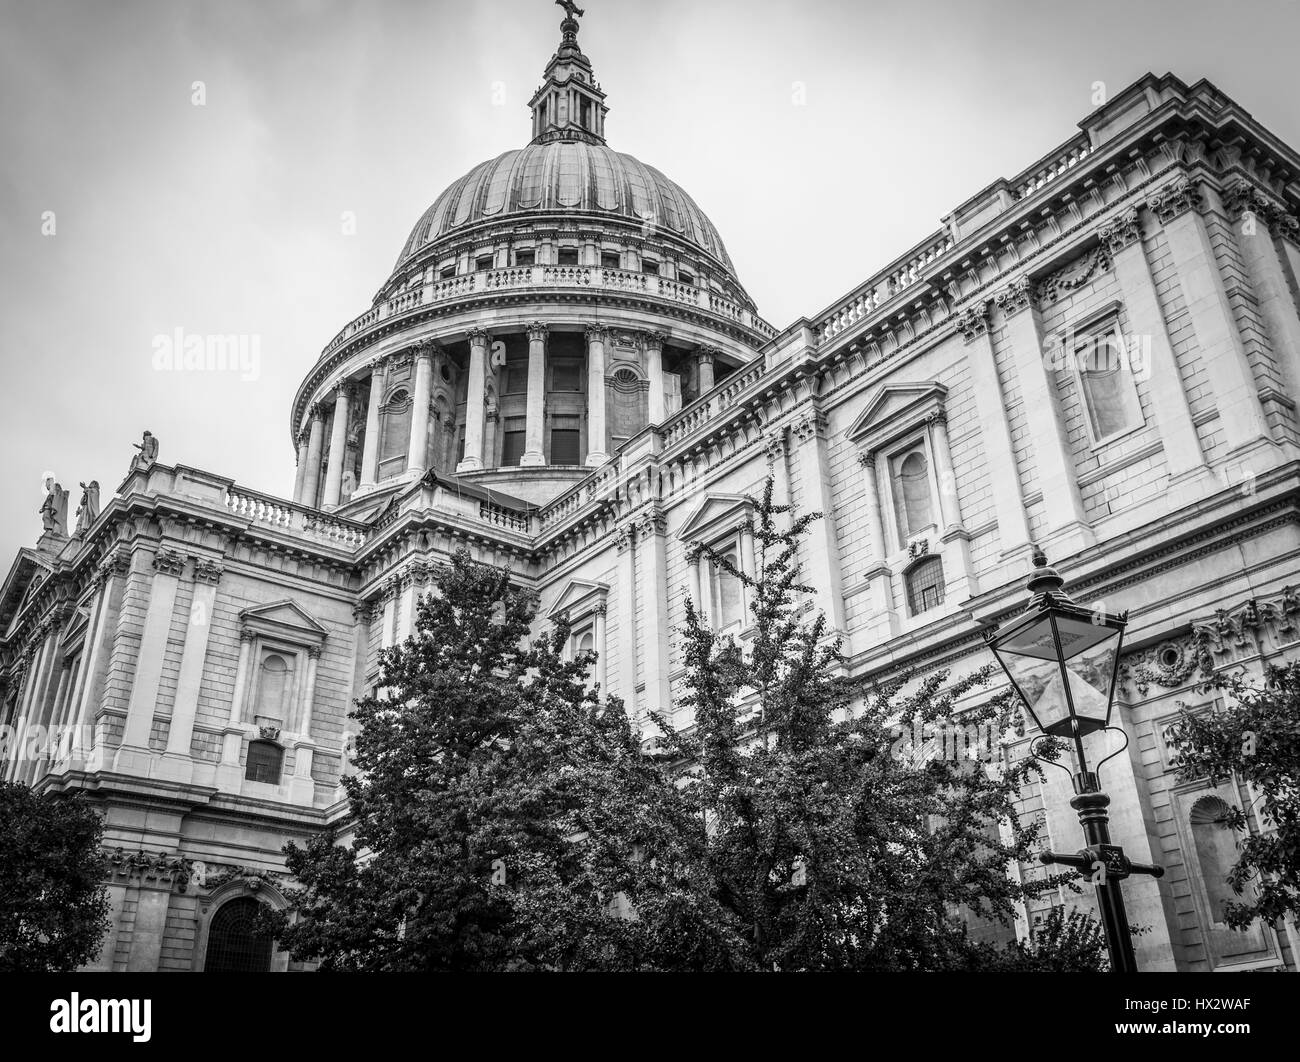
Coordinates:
(447,272)
(516,378)
(727,592)
(512,444)
(685,277)
(525,258)
(568,256)
(610,260)
(649,265)
(483,264)
(1107,382)
(566,441)
(264,760)
(924,586)
(566,376)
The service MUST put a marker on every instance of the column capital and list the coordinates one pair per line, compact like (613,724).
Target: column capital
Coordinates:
(774,444)
(810,426)
(378,365)
(597,333)
(345,389)
(624,536)
(478,336)
(652,522)
(247,634)
(313,651)
(706,354)
(1021,294)
(600,608)
(1120,232)
(939,416)
(867,459)
(207,571)
(316,411)
(657,339)
(169,562)
(973,321)
(537,331)
(1175,200)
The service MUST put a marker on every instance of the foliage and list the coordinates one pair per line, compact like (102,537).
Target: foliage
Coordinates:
(1256,739)
(53,911)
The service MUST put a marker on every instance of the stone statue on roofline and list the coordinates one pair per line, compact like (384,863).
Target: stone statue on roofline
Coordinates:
(54,510)
(148,447)
(88,510)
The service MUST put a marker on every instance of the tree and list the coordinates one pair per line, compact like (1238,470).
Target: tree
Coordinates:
(504,815)
(1256,739)
(53,911)
(831,842)
(1062,943)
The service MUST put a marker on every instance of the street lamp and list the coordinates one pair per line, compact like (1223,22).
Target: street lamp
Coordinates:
(1063,661)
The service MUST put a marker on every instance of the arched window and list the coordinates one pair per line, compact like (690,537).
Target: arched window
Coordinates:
(924,585)
(913,499)
(233,945)
(273,688)
(397,426)
(728,603)
(265,762)
(586,642)
(1216,853)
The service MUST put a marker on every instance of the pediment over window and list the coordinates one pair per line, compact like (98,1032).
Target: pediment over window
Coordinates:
(715,514)
(578,596)
(284,619)
(894,409)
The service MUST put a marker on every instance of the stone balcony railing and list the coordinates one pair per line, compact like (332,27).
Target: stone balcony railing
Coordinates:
(542,278)
(312,523)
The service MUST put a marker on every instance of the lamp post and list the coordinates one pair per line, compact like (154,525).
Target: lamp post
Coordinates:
(1063,661)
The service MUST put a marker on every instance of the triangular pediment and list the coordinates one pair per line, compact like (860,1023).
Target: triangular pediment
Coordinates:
(26,574)
(285,615)
(896,407)
(715,511)
(577,593)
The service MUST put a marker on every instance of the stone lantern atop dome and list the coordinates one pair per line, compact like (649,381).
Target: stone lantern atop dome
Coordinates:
(569,105)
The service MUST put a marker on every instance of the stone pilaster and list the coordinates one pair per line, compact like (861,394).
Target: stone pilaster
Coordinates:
(475,402)
(176,763)
(822,549)
(596,338)
(535,419)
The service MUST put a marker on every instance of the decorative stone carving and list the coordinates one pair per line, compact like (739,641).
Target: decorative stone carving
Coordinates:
(774,444)
(973,321)
(159,870)
(1120,232)
(1020,294)
(653,522)
(537,331)
(1176,200)
(268,733)
(1076,274)
(169,562)
(867,459)
(624,537)
(919,548)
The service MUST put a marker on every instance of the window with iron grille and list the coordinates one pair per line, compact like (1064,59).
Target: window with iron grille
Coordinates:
(924,586)
(264,762)
(233,944)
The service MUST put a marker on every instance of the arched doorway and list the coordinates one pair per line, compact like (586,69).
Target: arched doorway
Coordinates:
(233,946)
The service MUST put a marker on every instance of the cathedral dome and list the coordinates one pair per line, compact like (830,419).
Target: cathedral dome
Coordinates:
(566,177)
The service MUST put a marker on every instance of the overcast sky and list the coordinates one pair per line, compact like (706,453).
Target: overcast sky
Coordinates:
(227,217)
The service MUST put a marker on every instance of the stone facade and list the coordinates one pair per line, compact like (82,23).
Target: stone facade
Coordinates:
(565,375)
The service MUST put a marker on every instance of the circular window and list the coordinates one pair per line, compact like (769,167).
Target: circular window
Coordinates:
(1170,656)
(446,374)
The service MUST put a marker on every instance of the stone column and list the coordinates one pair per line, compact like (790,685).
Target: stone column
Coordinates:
(99,649)
(418,446)
(877,576)
(598,623)
(749,560)
(596,454)
(693,563)
(133,756)
(1262,223)
(704,361)
(995,432)
(652,560)
(338,446)
(1123,239)
(302,789)
(823,550)
(954,540)
(300,472)
(625,537)
(654,370)
(176,763)
(474,402)
(1063,510)
(228,777)
(534,423)
(1236,396)
(370,448)
(315,444)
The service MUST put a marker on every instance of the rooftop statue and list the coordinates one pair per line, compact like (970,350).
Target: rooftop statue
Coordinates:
(54,510)
(148,447)
(88,510)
